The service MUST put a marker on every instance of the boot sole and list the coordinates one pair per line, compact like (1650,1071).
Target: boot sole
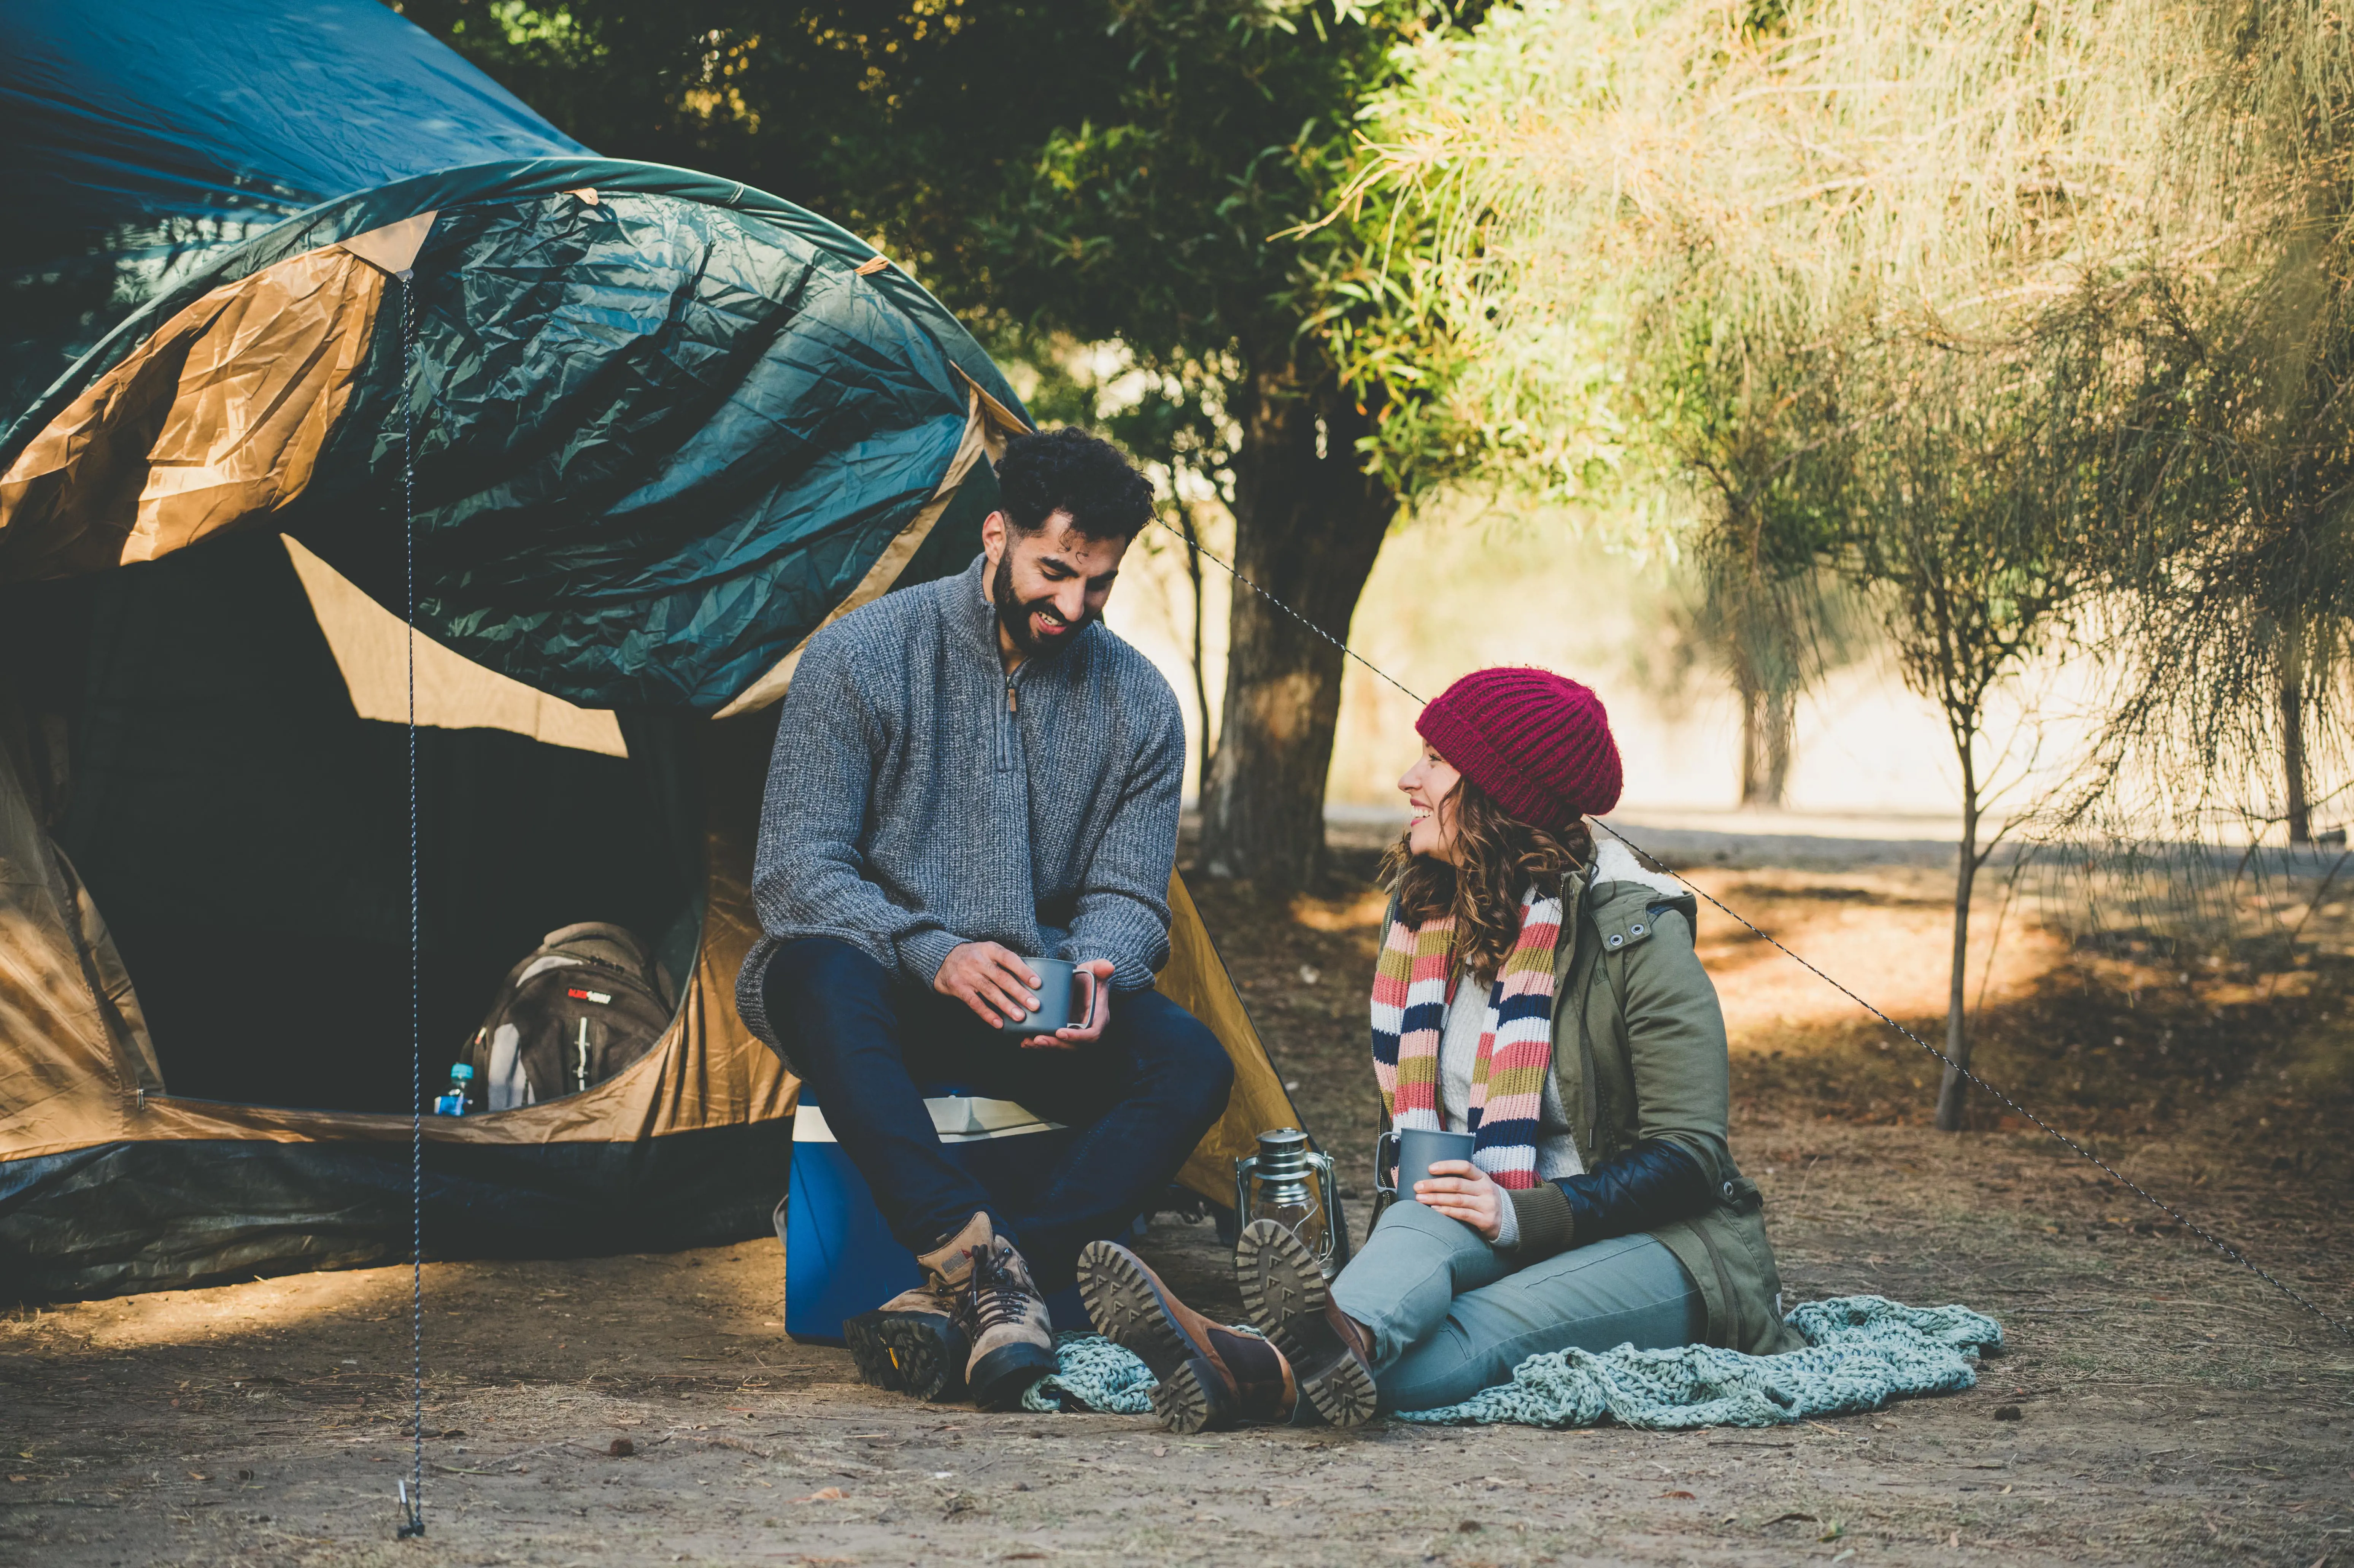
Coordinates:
(1127,1308)
(1000,1378)
(1192,1399)
(916,1353)
(1285,1294)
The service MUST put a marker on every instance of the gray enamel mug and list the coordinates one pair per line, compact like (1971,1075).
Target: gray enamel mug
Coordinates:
(1420,1148)
(1057,979)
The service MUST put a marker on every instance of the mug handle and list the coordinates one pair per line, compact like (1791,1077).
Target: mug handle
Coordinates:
(1088,1011)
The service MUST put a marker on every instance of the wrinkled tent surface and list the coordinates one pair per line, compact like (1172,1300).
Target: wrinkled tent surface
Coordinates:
(663,428)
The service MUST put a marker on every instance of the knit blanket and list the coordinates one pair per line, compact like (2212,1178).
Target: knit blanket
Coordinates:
(1862,1352)
(1409,1013)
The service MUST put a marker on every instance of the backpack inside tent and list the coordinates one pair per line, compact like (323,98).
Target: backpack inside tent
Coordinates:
(308,322)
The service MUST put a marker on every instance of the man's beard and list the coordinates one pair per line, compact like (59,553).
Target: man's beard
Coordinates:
(1015,616)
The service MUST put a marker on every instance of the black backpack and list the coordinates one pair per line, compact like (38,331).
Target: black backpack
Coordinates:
(587,1002)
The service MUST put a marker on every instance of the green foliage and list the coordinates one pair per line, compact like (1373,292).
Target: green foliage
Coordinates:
(1058,171)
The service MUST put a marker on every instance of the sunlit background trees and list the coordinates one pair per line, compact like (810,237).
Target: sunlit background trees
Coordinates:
(2024,324)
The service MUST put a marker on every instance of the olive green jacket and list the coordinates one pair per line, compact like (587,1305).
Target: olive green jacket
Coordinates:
(1639,1052)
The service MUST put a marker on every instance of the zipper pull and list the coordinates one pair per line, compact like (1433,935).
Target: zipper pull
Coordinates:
(1012,705)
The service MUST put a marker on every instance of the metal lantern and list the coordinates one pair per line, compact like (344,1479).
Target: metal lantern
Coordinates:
(1290,1184)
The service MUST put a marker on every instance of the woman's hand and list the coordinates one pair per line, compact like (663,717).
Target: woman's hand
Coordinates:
(1462,1191)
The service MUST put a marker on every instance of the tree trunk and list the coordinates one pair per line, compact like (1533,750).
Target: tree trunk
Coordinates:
(1952,1093)
(2292,713)
(1308,524)
(1782,722)
(1768,717)
(1200,671)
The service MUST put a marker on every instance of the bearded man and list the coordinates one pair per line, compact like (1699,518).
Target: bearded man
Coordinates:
(968,775)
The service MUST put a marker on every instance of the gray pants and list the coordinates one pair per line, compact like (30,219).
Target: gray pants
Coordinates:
(1450,1315)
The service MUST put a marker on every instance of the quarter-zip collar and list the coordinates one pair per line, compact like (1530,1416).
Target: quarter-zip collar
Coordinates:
(976,616)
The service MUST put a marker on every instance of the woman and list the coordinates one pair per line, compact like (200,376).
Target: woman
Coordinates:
(1543,995)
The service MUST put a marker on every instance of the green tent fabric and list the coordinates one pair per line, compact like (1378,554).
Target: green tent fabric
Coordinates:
(696,429)
(663,423)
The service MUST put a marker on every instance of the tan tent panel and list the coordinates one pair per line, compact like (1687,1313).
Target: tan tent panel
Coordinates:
(372,648)
(76,1048)
(216,420)
(1196,979)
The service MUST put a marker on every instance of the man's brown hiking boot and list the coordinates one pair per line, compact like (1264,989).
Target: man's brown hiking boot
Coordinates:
(912,1343)
(1210,1377)
(1287,1297)
(1004,1318)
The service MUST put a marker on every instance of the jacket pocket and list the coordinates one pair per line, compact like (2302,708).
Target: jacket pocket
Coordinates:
(1732,1240)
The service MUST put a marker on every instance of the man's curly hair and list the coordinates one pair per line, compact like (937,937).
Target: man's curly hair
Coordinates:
(1070,470)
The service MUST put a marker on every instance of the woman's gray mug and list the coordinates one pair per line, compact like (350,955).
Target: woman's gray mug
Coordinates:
(1418,1149)
(1056,979)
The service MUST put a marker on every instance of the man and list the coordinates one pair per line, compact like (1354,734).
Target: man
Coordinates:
(970,774)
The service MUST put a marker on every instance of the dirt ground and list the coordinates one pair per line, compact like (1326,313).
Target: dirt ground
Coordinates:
(2156,1403)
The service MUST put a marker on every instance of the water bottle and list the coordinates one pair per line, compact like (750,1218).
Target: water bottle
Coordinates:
(453,1102)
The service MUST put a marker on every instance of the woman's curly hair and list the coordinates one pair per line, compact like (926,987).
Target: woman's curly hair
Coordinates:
(1500,857)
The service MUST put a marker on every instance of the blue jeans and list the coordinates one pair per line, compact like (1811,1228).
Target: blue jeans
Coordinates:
(1140,1098)
(1450,1315)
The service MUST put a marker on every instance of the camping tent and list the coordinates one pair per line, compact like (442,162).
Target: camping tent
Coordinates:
(297,304)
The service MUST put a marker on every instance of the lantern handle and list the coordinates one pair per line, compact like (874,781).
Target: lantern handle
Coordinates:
(1328,1188)
(1386,1158)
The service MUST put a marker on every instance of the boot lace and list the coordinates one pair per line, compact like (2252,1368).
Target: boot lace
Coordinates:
(997,1295)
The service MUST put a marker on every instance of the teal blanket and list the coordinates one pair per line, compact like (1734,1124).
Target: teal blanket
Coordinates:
(1861,1352)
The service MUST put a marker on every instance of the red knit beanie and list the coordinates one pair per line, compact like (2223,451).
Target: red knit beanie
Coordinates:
(1537,742)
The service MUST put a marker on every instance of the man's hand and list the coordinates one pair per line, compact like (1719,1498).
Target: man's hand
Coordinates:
(1462,1191)
(993,980)
(1098,1012)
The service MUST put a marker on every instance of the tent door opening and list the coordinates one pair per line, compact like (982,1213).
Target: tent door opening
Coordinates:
(244,831)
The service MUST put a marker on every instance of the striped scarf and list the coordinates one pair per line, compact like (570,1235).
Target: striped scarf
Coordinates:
(1410,997)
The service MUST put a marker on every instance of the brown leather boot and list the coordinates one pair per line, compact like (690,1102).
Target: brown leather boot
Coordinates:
(913,1343)
(1210,1377)
(1285,1295)
(1004,1319)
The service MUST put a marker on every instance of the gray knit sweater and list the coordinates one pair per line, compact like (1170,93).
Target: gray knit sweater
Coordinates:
(918,799)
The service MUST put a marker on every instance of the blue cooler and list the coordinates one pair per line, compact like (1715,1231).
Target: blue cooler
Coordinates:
(841,1259)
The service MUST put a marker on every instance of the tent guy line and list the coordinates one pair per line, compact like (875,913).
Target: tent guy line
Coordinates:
(412,1496)
(2232,1253)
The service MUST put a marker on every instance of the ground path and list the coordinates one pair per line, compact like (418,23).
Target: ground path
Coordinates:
(2170,1409)
(2168,1412)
